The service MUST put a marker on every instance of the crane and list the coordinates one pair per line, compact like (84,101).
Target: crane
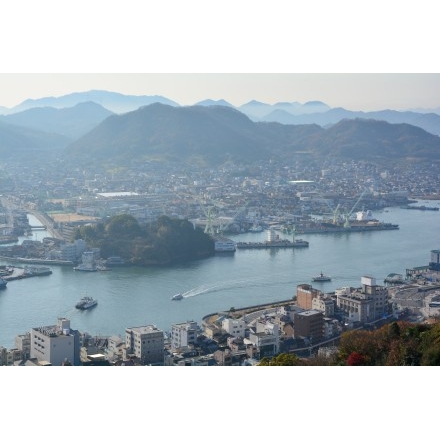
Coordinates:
(347,217)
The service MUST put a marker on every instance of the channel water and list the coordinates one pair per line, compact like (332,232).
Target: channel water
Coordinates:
(134,296)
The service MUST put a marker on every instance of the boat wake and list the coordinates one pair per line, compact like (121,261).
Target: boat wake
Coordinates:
(231,285)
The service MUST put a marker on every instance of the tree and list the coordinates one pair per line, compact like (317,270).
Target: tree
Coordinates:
(281,360)
(356,359)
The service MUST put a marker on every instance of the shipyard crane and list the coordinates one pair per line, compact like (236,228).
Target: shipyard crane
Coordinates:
(347,217)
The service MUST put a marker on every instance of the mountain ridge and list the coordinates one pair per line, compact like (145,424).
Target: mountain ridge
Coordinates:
(214,135)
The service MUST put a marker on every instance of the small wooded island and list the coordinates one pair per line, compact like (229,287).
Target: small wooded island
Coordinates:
(163,242)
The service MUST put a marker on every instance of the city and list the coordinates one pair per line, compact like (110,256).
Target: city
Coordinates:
(309,325)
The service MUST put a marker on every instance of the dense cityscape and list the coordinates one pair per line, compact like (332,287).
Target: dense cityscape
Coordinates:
(226,201)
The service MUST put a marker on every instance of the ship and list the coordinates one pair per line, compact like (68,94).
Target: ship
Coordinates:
(421,208)
(37,271)
(86,302)
(3,283)
(177,297)
(273,241)
(321,277)
(323,227)
(115,261)
(223,244)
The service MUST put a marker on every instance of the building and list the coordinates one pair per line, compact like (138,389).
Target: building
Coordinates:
(305,294)
(367,304)
(184,334)
(309,325)
(145,343)
(324,304)
(265,338)
(234,327)
(55,343)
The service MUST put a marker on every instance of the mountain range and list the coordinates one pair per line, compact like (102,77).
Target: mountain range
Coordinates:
(214,135)
(111,126)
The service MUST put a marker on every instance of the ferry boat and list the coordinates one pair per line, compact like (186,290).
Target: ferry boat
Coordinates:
(223,244)
(177,296)
(86,302)
(321,277)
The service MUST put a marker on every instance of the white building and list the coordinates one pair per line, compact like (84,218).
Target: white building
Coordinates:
(146,343)
(235,327)
(184,334)
(55,343)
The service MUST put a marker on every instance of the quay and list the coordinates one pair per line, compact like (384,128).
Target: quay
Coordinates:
(19,273)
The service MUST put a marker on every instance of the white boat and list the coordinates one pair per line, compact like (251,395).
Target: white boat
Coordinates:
(86,302)
(321,277)
(177,297)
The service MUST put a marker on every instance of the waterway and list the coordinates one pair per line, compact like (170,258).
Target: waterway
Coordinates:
(134,296)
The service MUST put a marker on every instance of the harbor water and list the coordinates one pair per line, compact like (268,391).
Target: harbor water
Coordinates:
(134,296)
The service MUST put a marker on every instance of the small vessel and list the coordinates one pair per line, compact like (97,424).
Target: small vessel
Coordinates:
(177,297)
(86,302)
(3,283)
(321,277)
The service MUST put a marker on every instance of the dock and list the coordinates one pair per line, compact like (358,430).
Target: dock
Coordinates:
(20,273)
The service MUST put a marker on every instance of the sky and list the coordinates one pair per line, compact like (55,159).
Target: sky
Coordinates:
(343,53)
(353,91)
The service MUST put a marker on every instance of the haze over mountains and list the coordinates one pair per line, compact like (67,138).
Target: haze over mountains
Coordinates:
(108,126)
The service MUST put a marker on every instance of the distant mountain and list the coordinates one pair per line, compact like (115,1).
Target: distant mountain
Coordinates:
(72,122)
(259,111)
(428,121)
(16,142)
(212,135)
(213,102)
(112,101)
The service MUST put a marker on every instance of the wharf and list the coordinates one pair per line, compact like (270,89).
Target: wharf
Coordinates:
(19,273)
(272,244)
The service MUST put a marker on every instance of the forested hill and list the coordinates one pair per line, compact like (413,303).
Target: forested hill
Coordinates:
(166,241)
(213,135)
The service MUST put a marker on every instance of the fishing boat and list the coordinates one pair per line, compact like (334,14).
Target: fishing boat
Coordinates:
(321,277)
(177,297)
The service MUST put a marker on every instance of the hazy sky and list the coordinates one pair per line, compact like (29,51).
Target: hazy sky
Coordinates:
(352,91)
(222,37)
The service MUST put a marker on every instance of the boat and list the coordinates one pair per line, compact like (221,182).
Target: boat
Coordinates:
(3,283)
(223,244)
(177,296)
(321,277)
(37,271)
(115,260)
(421,207)
(86,302)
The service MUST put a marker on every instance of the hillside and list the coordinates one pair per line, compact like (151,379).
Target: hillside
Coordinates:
(72,122)
(428,121)
(18,142)
(212,135)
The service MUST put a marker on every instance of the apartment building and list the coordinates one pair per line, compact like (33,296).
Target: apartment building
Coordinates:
(234,327)
(309,324)
(366,304)
(146,343)
(305,294)
(55,343)
(184,334)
